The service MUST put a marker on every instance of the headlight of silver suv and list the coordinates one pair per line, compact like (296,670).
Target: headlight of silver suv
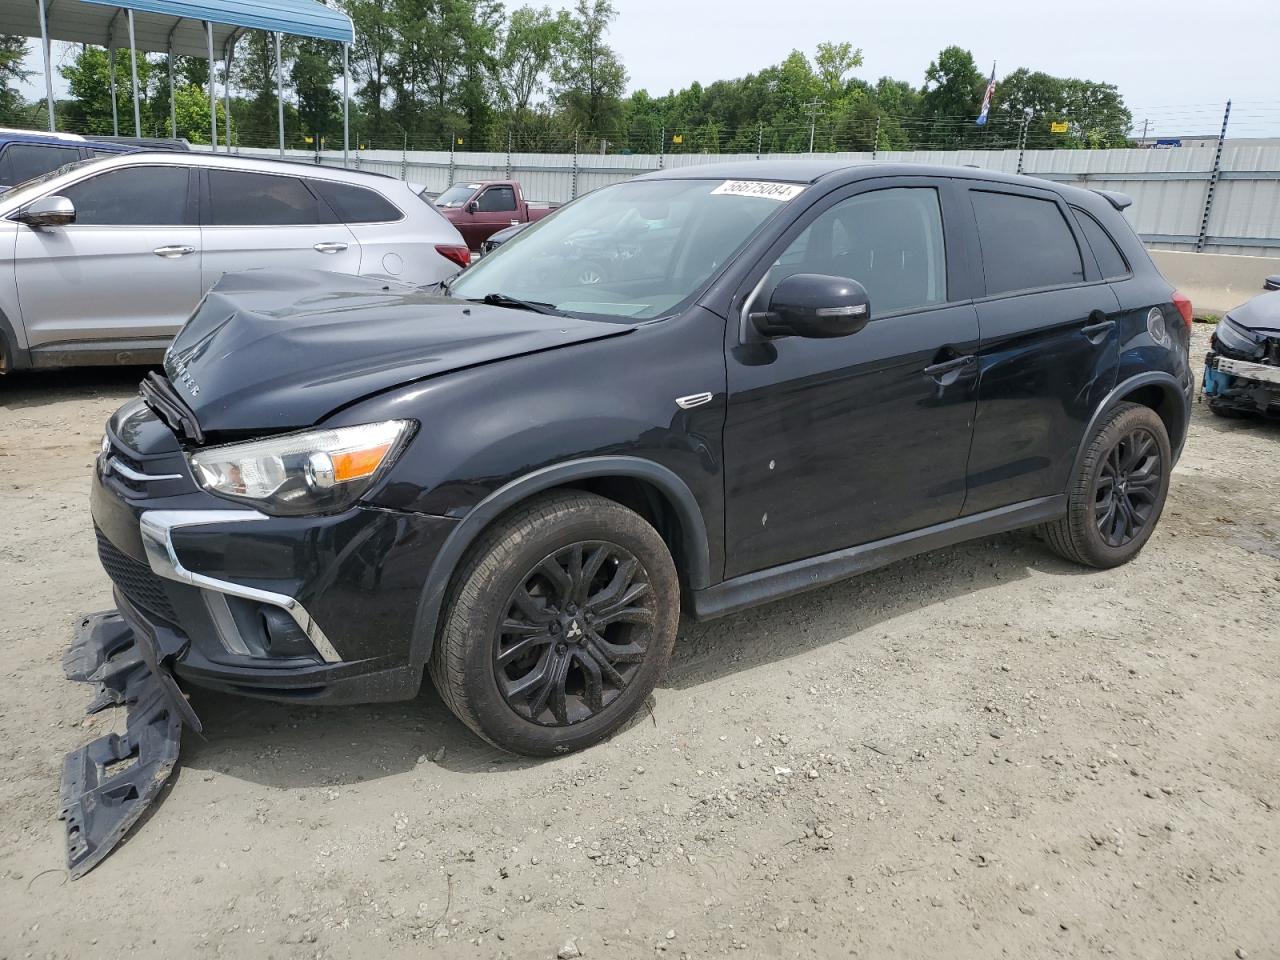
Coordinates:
(319,471)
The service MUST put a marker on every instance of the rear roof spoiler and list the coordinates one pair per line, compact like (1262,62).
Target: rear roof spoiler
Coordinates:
(1117,200)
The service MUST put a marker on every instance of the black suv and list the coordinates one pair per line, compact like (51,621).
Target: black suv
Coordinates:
(518,480)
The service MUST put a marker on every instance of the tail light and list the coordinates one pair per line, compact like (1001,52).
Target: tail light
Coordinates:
(1183,304)
(461,255)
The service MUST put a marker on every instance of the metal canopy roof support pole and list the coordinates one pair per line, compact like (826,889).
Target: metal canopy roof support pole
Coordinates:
(226,88)
(115,114)
(133,72)
(280,92)
(346,97)
(44,49)
(173,101)
(213,93)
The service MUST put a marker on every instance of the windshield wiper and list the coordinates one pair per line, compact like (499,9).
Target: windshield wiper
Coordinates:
(536,306)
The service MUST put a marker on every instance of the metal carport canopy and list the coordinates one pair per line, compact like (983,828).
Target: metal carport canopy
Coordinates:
(198,28)
(158,22)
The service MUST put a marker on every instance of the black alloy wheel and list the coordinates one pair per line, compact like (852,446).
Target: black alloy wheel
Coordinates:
(575,632)
(1129,485)
(558,624)
(1117,491)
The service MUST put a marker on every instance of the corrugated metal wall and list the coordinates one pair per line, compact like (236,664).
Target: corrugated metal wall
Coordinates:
(1168,186)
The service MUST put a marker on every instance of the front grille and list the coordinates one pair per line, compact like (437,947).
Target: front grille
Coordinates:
(135,580)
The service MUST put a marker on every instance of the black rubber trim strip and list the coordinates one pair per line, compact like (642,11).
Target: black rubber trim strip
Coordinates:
(801,575)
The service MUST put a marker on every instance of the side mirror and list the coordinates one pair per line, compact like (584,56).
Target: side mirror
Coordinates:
(51,211)
(472,206)
(1272,282)
(815,305)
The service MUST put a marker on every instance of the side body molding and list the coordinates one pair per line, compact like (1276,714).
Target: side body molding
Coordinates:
(692,525)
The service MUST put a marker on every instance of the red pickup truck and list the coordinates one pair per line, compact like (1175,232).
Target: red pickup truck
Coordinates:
(483,207)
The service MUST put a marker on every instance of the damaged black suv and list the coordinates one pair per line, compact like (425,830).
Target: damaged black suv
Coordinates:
(517,482)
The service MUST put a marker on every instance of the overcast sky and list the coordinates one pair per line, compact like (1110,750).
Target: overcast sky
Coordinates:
(1175,63)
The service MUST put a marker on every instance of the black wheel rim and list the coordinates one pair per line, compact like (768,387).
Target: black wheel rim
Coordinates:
(574,633)
(1128,488)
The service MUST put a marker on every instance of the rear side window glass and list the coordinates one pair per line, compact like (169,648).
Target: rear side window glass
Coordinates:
(131,197)
(1026,243)
(240,199)
(1110,260)
(355,204)
(497,199)
(22,161)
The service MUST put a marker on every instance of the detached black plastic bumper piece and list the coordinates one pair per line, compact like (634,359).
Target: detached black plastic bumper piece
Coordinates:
(108,783)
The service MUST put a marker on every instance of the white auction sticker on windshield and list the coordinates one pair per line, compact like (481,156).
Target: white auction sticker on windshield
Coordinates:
(759,188)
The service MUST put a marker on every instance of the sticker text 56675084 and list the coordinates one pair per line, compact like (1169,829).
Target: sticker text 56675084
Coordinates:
(758,188)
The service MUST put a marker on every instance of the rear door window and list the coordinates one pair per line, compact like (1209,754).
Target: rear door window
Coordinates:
(239,199)
(1026,242)
(1110,260)
(132,196)
(354,204)
(22,161)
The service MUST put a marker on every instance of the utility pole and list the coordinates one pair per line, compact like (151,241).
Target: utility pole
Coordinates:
(1144,130)
(813,121)
(453,138)
(760,140)
(573,187)
(662,146)
(1213,182)
(508,153)
(875,144)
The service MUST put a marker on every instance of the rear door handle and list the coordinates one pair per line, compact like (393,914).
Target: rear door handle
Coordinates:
(331,246)
(173,251)
(938,369)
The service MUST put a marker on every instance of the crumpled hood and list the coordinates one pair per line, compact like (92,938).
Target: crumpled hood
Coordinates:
(1261,314)
(273,349)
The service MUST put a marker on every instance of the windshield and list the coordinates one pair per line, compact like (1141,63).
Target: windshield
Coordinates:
(457,195)
(636,250)
(30,185)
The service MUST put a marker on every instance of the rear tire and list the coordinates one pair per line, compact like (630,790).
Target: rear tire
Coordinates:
(558,624)
(1116,497)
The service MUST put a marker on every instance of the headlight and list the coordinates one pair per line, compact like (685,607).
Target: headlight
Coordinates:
(321,471)
(1237,339)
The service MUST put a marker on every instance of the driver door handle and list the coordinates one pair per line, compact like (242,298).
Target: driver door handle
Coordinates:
(173,251)
(331,246)
(1100,325)
(938,369)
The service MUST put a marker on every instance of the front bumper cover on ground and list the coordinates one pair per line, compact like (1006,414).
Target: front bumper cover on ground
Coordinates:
(108,783)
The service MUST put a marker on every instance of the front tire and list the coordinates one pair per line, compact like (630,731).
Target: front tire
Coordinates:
(559,623)
(1118,493)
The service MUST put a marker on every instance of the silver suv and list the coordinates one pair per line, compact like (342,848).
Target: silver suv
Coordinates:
(110,255)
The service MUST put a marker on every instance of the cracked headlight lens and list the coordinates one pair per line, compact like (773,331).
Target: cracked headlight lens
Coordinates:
(319,471)
(1237,339)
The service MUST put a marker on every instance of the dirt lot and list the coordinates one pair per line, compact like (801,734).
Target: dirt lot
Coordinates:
(978,753)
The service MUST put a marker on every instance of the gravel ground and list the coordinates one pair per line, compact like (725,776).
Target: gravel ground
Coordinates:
(980,752)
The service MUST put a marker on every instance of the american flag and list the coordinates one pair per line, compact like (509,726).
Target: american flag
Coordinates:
(986,97)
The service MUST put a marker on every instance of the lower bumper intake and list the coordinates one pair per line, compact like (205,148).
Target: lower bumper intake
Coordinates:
(108,783)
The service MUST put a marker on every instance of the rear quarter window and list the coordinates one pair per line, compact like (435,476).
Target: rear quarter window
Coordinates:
(1026,243)
(354,204)
(1110,260)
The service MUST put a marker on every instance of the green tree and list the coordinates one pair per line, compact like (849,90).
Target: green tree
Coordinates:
(89,108)
(1094,112)
(588,76)
(372,56)
(527,53)
(13,50)
(953,89)
(314,70)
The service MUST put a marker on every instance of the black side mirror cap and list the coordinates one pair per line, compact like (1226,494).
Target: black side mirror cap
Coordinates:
(814,305)
(1272,282)
(472,206)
